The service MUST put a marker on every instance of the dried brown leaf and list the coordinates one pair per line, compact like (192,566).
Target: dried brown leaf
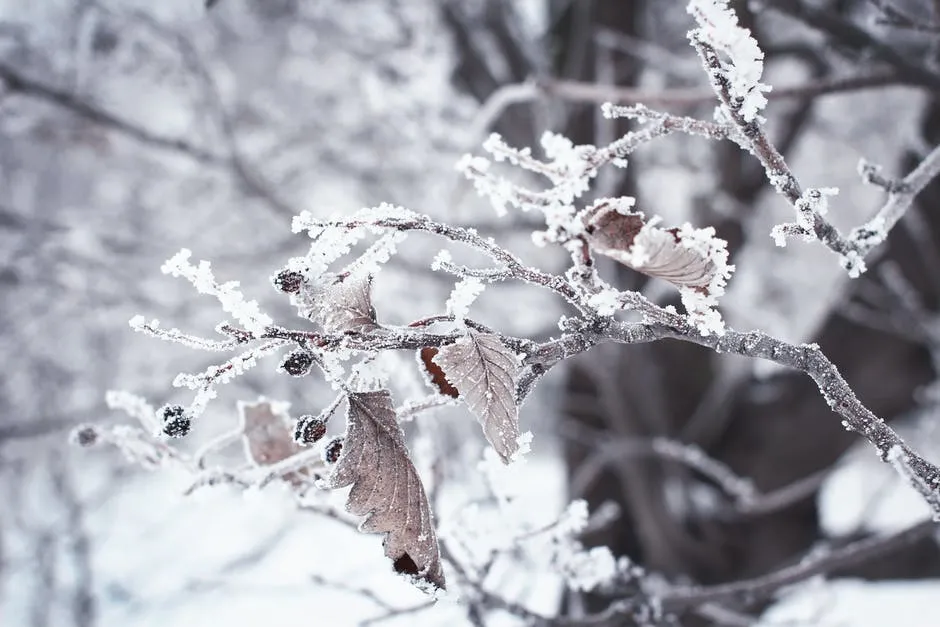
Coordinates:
(629,239)
(266,432)
(267,435)
(386,487)
(346,305)
(485,371)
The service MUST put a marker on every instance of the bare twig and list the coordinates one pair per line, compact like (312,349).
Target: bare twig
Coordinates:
(810,220)
(900,198)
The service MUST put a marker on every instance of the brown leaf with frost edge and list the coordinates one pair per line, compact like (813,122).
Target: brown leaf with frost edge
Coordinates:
(668,254)
(386,488)
(485,371)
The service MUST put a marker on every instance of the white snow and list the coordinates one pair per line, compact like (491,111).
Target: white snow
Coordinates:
(846,602)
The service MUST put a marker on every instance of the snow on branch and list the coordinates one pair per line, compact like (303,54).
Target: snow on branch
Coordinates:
(736,82)
(246,312)
(718,28)
(343,338)
(488,372)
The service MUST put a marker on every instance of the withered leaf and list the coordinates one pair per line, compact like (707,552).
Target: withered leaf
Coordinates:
(346,305)
(266,434)
(386,487)
(436,376)
(662,253)
(485,371)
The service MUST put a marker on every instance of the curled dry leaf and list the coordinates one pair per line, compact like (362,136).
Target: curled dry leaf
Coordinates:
(386,487)
(266,434)
(485,371)
(346,305)
(436,376)
(685,257)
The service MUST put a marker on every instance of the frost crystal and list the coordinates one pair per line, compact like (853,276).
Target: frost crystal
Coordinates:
(523,447)
(813,202)
(575,518)
(441,259)
(587,570)
(371,261)
(606,301)
(853,263)
(582,569)
(464,294)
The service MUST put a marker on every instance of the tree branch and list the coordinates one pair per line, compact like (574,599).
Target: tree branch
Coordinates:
(17,82)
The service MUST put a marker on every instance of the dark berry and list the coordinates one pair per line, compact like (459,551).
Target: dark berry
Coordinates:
(332,450)
(84,435)
(297,363)
(288,281)
(176,423)
(309,429)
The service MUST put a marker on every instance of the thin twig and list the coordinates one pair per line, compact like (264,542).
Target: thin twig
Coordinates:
(18,82)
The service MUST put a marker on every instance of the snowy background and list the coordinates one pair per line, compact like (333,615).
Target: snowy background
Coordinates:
(131,129)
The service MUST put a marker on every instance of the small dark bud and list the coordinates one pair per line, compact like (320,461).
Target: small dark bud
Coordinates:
(332,450)
(309,429)
(176,423)
(84,435)
(288,281)
(297,363)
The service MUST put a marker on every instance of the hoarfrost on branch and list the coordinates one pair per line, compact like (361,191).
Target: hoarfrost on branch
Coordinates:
(492,372)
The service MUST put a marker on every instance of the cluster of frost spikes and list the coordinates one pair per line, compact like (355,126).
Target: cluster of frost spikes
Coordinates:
(465,292)
(814,204)
(330,243)
(718,27)
(570,169)
(246,312)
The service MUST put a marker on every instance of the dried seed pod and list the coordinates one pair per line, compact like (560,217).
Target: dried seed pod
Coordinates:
(297,363)
(84,435)
(288,281)
(176,423)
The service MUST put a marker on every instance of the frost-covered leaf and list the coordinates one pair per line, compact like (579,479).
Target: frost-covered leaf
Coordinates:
(345,305)
(685,257)
(435,375)
(386,487)
(485,372)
